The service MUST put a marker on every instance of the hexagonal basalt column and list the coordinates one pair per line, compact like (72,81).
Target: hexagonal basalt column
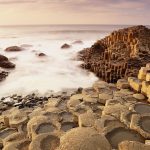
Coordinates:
(141,123)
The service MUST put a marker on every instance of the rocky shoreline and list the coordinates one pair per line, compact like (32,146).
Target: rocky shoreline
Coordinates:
(106,116)
(119,55)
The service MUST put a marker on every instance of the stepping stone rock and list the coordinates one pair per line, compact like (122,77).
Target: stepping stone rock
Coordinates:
(104,97)
(83,139)
(114,110)
(122,84)
(141,124)
(15,137)
(17,117)
(20,145)
(40,125)
(87,119)
(45,141)
(141,108)
(117,135)
(139,96)
(6,132)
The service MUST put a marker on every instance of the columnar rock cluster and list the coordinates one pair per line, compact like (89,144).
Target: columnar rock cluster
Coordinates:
(142,83)
(118,55)
(103,117)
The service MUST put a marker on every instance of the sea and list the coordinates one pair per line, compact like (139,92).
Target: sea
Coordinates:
(59,70)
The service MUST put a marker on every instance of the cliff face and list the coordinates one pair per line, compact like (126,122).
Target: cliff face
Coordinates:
(119,55)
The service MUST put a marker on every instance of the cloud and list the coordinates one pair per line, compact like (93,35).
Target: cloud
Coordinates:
(16,1)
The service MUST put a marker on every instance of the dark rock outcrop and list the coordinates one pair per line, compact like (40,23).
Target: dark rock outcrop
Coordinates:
(41,54)
(5,63)
(3,75)
(119,55)
(13,49)
(65,46)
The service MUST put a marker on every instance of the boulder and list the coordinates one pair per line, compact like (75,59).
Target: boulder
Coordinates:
(3,58)
(65,46)
(83,139)
(122,84)
(41,54)
(13,49)
(7,64)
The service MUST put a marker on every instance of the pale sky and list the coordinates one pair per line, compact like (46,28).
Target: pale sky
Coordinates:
(16,12)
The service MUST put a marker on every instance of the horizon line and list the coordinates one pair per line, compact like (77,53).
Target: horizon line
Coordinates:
(71,24)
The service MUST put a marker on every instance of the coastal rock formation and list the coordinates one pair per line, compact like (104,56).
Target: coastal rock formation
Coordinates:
(65,46)
(119,55)
(5,63)
(142,82)
(13,49)
(41,54)
(105,116)
(3,75)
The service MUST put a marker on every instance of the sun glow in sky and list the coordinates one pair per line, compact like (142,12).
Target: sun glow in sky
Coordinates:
(23,12)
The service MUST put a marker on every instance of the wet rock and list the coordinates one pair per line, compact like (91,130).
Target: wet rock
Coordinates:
(41,54)
(3,75)
(13,49)
(7,64)
(3,58)
(65,46)
(83,138)
(8,101)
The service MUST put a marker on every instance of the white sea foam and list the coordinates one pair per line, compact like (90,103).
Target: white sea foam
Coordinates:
(56,71)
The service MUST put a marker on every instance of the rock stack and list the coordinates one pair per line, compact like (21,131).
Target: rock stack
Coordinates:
(118,55)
